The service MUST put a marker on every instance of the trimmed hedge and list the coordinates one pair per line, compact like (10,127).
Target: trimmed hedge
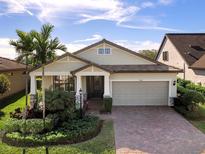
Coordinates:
(107,102)
(73,131)
(33,126)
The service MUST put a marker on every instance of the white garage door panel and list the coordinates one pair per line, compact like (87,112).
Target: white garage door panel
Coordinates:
(140,93)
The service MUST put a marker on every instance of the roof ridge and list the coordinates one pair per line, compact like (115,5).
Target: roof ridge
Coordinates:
(185,34)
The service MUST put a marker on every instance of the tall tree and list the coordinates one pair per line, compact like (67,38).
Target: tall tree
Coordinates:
(149,53)
(24,47)
(45,48)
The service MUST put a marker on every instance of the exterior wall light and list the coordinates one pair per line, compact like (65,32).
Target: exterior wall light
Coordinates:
(174,83)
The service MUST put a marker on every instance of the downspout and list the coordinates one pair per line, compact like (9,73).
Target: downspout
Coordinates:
(184,71)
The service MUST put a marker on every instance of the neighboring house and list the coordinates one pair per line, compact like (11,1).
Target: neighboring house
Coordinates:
(107,69)
(15,73)
(187,52)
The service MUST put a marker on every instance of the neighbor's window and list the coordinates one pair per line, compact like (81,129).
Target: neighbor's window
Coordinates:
(165,55)
(104,51)
(63,82)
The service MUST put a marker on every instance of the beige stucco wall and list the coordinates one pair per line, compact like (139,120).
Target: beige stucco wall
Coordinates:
(48,81)
(117,57)
(175,59)
(61,67)
(17,83)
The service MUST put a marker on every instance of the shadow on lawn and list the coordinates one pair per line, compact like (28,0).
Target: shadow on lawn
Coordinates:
(11,99)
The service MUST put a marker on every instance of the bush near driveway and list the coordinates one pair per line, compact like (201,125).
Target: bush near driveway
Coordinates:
(190,102)
(188,85)
(189,97)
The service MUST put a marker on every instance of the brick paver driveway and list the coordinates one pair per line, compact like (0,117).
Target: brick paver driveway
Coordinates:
(157,130)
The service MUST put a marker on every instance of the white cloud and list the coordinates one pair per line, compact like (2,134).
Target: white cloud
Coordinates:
(72,47)
(138,45)
(94,37)
(9,52)
(147,4)
(5,49)
(83,11)
(165,2)
(151,27)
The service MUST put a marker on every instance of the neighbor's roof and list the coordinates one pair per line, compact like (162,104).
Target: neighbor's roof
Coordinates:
(7,65)
(199,64)
(191,46)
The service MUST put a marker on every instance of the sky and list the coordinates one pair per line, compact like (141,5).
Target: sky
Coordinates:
(135,24)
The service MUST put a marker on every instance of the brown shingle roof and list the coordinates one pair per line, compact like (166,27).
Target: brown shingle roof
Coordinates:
(199,64)
(7,65)
(140,68)
(191,46)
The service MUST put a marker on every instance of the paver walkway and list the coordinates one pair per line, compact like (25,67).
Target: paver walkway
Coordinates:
(155,130)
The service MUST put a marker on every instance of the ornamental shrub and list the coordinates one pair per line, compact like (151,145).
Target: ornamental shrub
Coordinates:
(188,85)
(4,84)
(183,82)
(32,126)
(107,102)
(181,90)
(191,100)
(58,100)
(71,131)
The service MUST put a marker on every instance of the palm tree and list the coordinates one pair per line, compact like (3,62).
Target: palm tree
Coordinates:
(45,48)
(24,47)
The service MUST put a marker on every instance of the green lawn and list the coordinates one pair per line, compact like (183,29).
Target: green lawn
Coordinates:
(102,144)
(200,122)
(8,105)
(196,118)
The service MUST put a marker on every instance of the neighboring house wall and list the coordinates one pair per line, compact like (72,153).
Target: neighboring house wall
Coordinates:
(117,56)
(17,82)
(176,60)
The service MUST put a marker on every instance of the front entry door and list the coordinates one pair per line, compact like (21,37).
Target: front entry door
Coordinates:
(95,86)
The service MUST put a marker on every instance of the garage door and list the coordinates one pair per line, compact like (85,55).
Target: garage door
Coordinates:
(140,93)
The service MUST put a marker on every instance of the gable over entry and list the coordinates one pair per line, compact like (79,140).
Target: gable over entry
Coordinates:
(88,71)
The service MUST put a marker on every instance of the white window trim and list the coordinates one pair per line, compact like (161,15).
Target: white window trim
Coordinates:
(104,50)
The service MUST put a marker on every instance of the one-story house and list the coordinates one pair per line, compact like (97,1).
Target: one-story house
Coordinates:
(16,74)
(107,69)
(185,51)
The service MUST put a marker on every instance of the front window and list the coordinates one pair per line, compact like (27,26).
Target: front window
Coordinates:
(165,56)
(63,82)
(104,51)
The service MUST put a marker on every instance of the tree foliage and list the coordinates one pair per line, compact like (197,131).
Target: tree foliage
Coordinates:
(191,99)
(4,84)
(24,47)
(46,46)
(149,53)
